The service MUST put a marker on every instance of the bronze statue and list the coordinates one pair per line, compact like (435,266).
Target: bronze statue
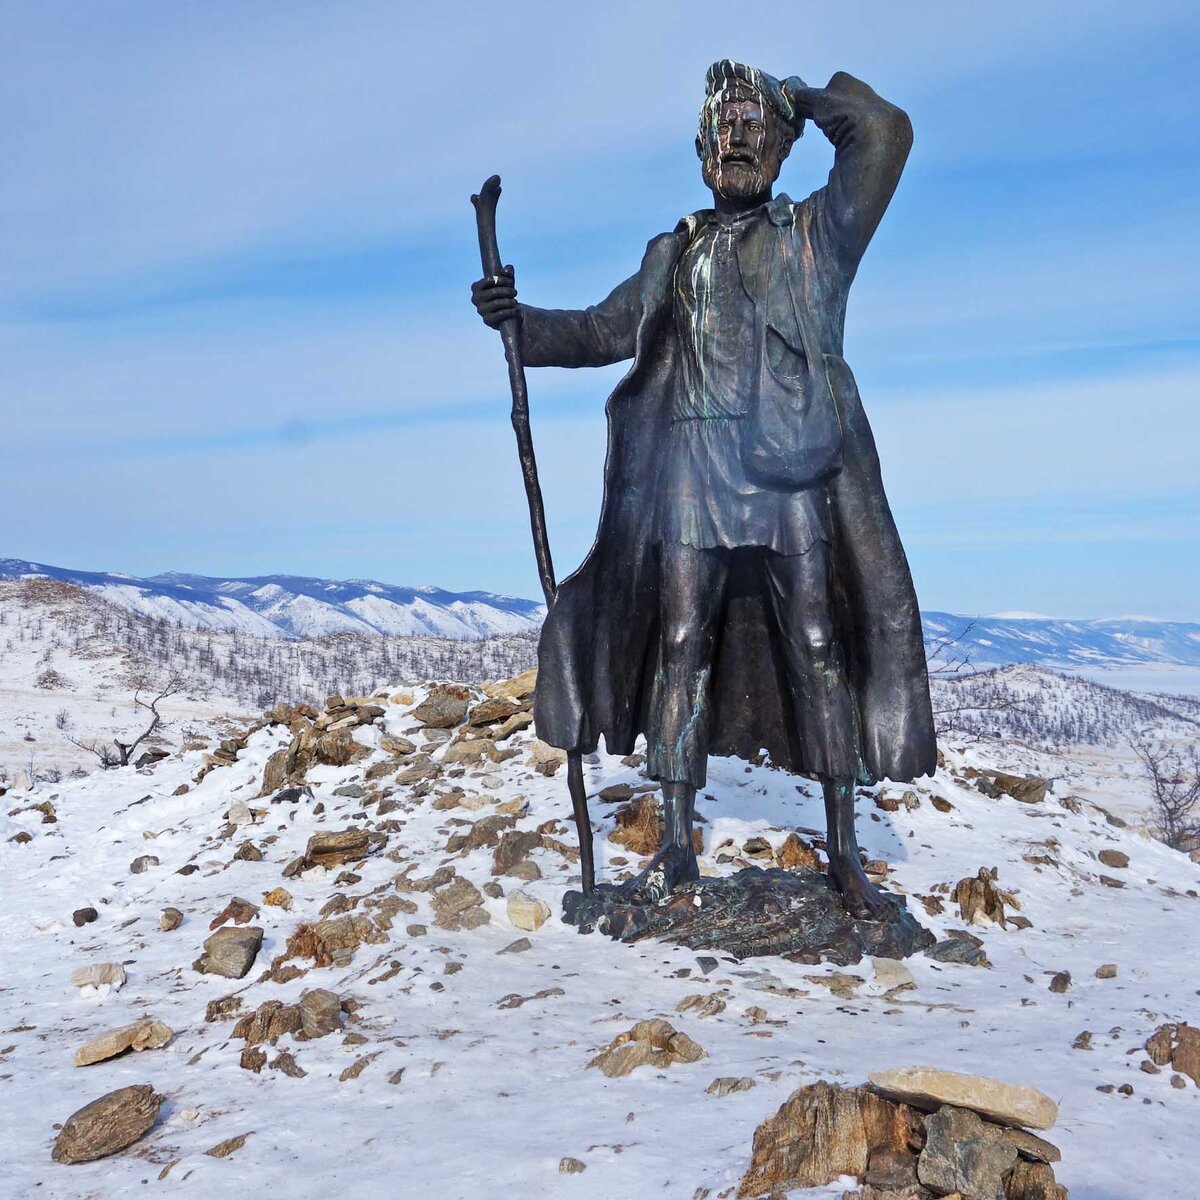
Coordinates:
(747,588)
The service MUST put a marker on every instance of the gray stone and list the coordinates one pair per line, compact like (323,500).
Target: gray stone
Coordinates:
(230,952)
(964,1154)
(142,863)
(84,916)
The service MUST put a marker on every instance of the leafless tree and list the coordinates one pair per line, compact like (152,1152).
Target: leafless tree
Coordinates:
(1174,777)
(963,694)
(116,753)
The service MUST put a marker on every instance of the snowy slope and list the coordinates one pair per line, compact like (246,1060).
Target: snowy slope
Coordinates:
(296,606)
(468,1092)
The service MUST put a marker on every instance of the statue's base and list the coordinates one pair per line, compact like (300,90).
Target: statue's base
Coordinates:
(797,915)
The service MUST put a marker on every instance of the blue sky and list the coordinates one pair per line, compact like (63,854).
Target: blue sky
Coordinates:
(234,328)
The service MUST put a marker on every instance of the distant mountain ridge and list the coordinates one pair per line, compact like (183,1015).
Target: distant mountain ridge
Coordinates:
(1107,642)
(291,606)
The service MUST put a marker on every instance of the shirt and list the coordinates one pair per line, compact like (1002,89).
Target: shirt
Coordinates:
(707,500)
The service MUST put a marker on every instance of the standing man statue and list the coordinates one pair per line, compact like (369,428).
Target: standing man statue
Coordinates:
(747,588)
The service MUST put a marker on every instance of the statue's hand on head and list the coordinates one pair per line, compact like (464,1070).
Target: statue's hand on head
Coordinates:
(826,107)
(495,298)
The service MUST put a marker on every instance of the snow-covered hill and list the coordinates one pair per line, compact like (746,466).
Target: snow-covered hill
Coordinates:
(294,606)
(460,1065)
(1104,644)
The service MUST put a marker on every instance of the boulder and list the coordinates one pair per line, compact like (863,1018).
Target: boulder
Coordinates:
(526,911)
(170,918)
(230,952)
(823,1131)
(320,1012)
(106,1125)
(964,1154)
(84,916)
(1008,1103)
(141,1035)
(458,905)
(444,707)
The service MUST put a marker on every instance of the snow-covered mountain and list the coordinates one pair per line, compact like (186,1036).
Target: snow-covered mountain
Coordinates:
(293,606)
(1107,643)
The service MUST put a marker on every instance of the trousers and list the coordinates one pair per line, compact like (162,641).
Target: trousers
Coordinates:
(692,591)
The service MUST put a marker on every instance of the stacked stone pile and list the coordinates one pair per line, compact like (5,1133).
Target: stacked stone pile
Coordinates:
(914,1134)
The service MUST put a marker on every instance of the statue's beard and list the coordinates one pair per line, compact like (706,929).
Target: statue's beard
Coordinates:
(737,180)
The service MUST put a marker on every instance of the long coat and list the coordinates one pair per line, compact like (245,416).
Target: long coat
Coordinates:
(599,644)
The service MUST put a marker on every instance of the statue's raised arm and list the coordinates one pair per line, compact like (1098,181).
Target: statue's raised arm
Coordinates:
(871,140)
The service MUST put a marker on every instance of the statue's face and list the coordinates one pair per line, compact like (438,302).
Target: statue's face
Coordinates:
(739,146)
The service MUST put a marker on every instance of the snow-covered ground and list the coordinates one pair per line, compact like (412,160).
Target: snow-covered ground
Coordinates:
(469,1092)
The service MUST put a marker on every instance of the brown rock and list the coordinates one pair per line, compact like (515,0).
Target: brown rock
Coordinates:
(1028,791)
(512,849)
(239,911)
(444,706)
(170,918)
(571,1166)
(333,941)
(142,863)
(1032,1147)
(107,1125)
(1033,1181)
(222,1008)
(141,1035)
(268,1022)
(278,898)
(84,916)
(490,712)
(228,1146)
(1114,858)
(796,853)
(980,901)
(654,1043)
(337,748)
(458,905)
(331,850)
(514,724)
(1061,982)
(1185,1058)
(820,1132)
(320,1012)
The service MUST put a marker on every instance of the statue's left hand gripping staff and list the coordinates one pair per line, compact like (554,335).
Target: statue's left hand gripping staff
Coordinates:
(510,333)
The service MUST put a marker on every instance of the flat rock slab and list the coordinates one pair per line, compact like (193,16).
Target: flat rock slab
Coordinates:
(1008,1103)
(141,1035)
(794,914)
